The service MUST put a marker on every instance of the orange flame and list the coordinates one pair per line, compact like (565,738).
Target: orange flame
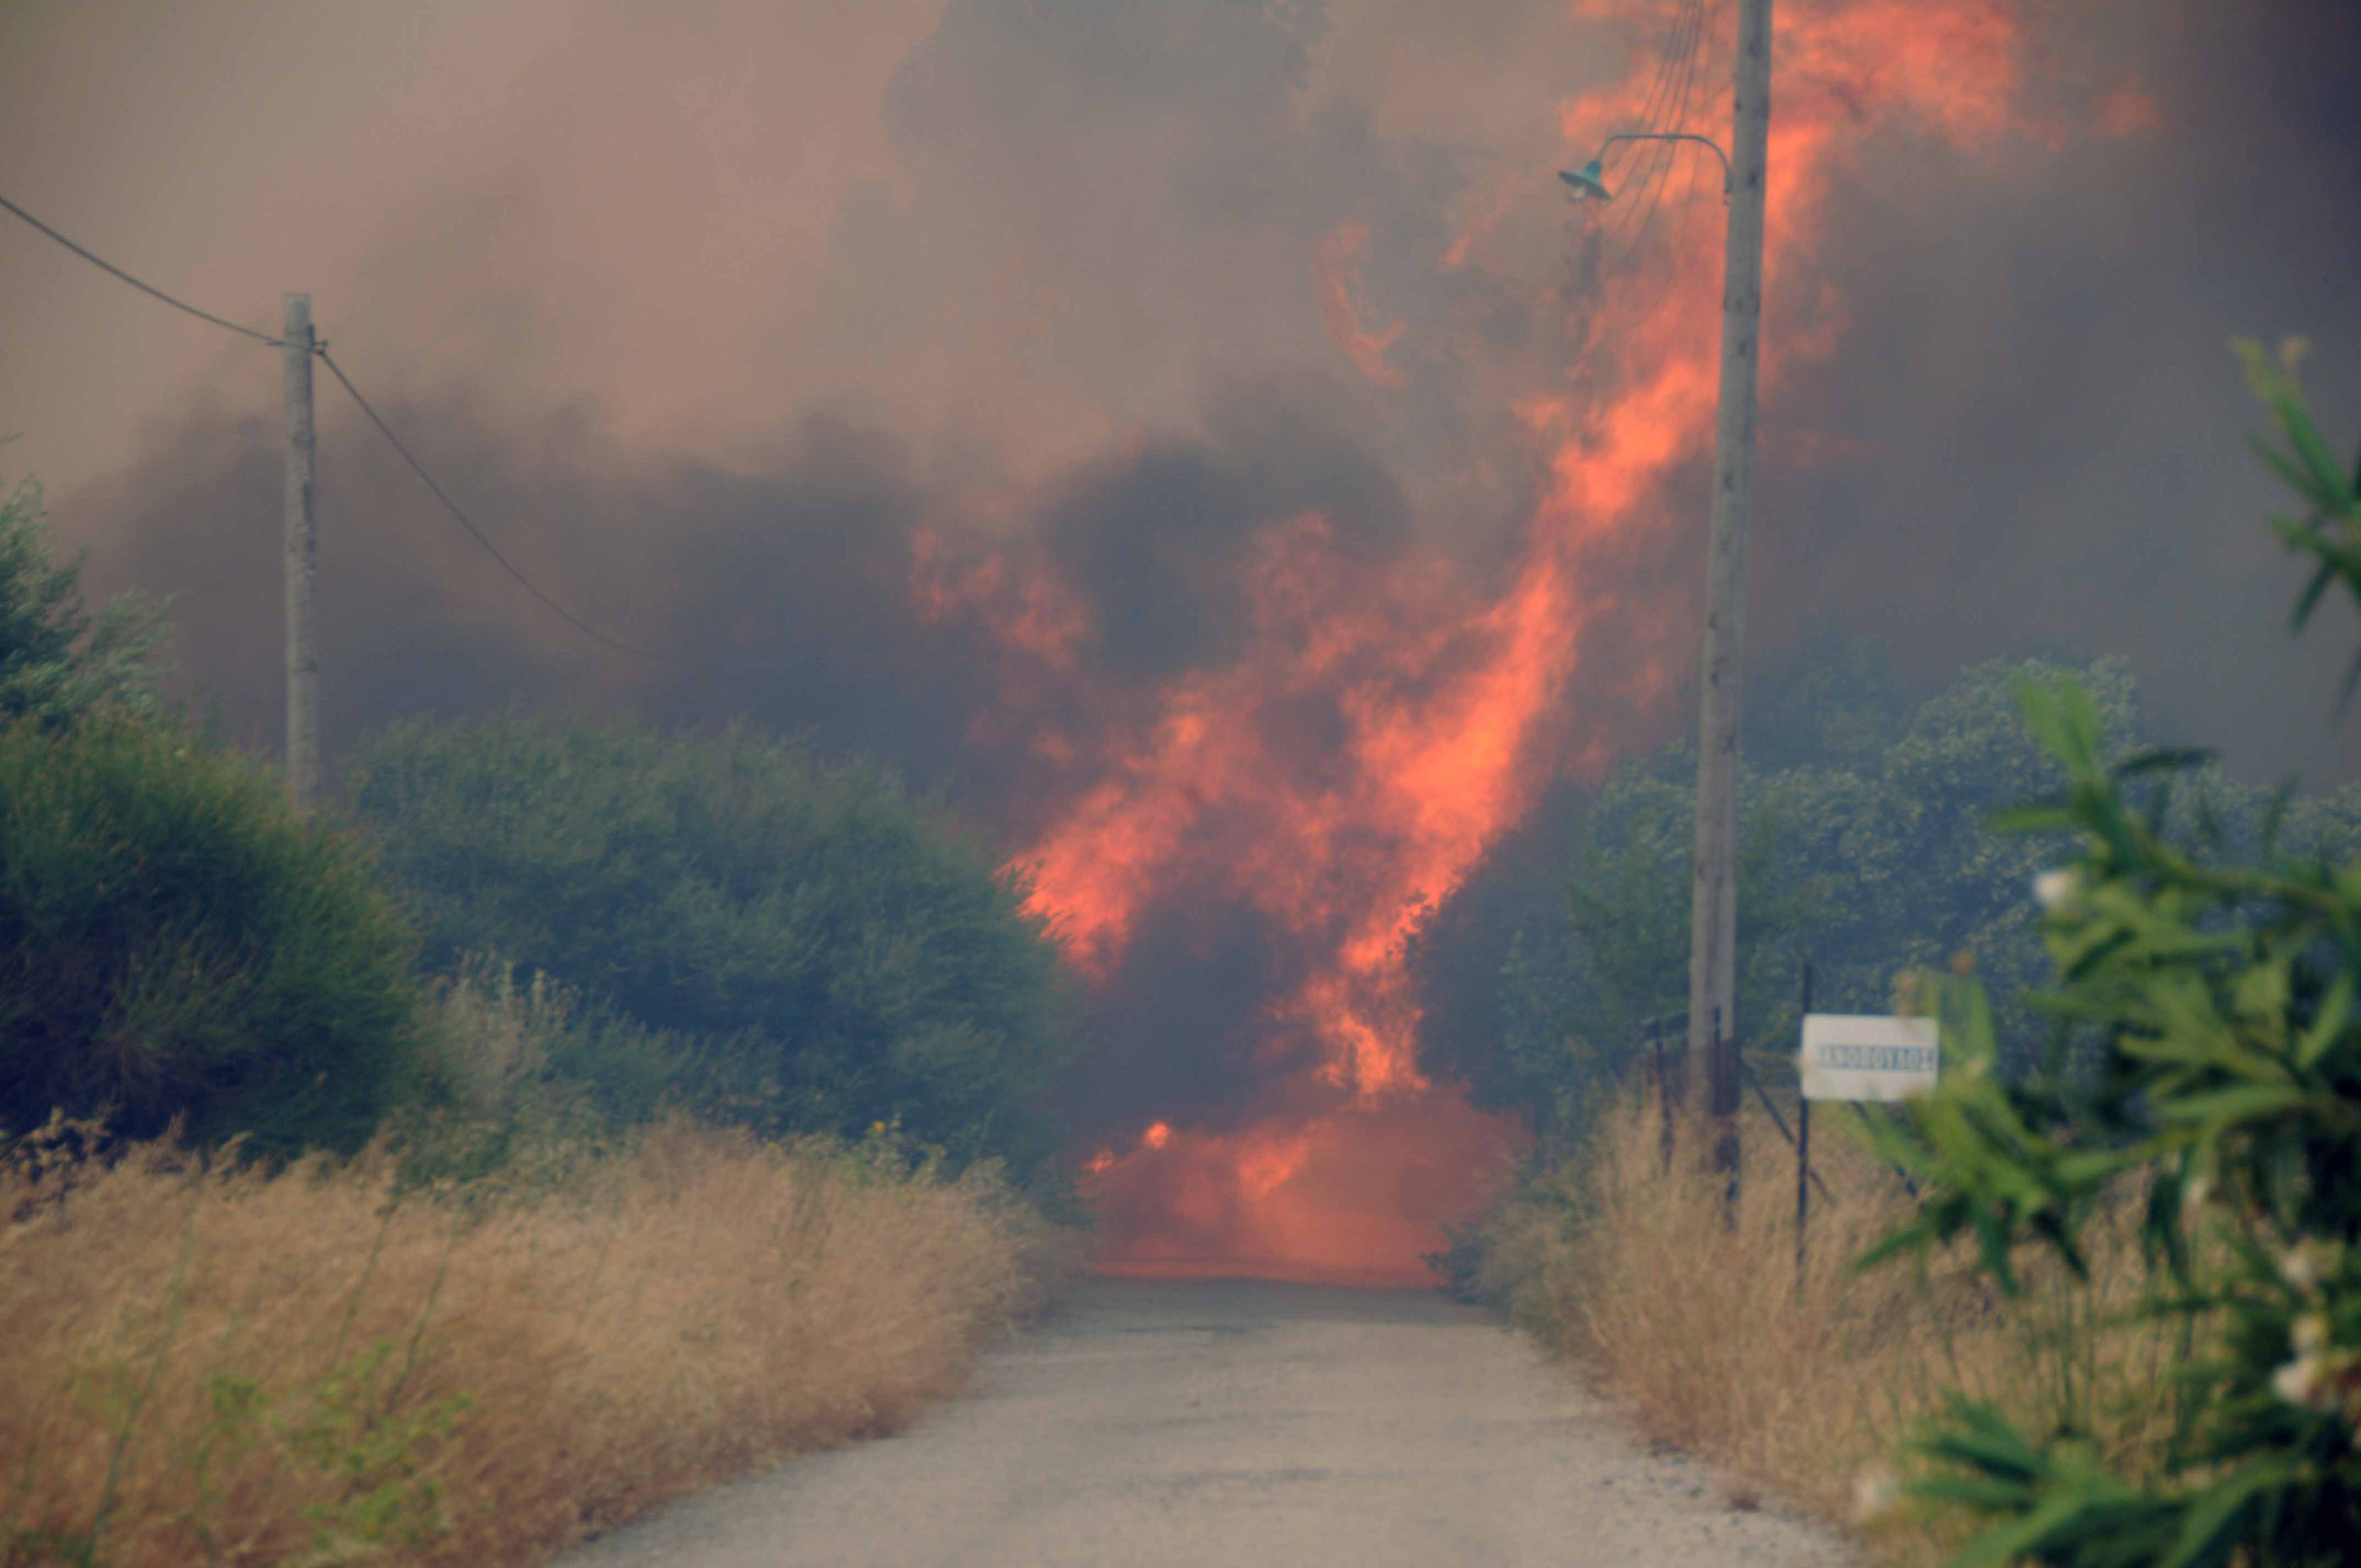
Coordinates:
(1339,274)
(1446,704)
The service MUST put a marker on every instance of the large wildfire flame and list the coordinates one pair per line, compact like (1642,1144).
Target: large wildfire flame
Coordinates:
(1451,703)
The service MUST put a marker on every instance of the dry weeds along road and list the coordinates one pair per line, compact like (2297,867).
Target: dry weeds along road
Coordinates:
(1238,1422)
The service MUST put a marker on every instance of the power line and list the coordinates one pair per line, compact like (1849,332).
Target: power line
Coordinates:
(1628,228)
(148,288)
(1650,121)
(1678,124)
(440,494)
(1658,101)
(1645,231)
(490,549)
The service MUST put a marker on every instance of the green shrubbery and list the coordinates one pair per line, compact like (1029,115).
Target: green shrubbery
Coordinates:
(2219,987)
(1868,852)
(816,950)
(617,923)
(177,944)
(1867,849)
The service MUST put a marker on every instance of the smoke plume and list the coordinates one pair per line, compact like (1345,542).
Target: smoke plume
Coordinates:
(1194,435)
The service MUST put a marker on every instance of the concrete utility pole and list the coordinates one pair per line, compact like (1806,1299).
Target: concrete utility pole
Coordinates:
(1713,917)
(301,554)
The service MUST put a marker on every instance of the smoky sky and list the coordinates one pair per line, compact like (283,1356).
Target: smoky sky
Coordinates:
(720,316)
(2043,426)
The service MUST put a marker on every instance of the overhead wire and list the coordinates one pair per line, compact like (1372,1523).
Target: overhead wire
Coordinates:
(1607,230)
(460,516)
(1675,124)
(1660,84)
(1655,117)
(1645,192)
(1651,111)
(369,411)
(1667,273)
(148,289)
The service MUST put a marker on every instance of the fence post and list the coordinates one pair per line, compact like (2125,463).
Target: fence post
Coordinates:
(1803,1140)
(1665,1095)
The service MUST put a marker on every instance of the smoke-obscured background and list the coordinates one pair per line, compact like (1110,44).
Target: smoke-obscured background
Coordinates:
(787,340)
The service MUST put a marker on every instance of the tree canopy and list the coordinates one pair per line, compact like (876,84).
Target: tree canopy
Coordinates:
(1866,849)
(826,950)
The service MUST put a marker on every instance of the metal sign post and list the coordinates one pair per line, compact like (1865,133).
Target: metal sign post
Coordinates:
(1803,1147)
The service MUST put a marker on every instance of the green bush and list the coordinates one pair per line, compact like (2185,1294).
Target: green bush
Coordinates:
(2220,984)
(1867,854)
(528,1087)
(176,943)
(822,951)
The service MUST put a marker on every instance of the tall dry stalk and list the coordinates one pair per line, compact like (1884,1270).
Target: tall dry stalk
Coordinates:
(1802,1382)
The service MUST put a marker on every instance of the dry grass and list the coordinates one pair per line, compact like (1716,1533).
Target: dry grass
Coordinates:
(1802,1382)
(226,1367)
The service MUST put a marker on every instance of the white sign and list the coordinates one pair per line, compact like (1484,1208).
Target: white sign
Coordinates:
(1855,1057)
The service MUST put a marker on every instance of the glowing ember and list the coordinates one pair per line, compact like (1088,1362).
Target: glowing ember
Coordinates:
(1356,1197)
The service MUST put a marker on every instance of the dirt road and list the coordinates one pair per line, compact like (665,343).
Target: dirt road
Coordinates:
(1238,1423)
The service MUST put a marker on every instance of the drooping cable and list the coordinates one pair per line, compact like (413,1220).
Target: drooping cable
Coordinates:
(460,515)
(370,412)
(1643,190)
(148,289)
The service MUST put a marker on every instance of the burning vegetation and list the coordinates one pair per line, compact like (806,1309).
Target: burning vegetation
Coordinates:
(1224,486)
(1386,717)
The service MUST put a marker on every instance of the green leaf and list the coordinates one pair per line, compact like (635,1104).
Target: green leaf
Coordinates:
(2309,598)
(2336,1011)
(2209,1530)
(2290,471)
(2164,759)
(2024,1537)
(2229,1105)
(1980,1436)
(2327,489)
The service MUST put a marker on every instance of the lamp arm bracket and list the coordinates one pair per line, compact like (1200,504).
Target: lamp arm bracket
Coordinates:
(1727,175)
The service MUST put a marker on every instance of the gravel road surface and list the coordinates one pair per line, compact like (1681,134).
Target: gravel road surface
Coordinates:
(1238,1422)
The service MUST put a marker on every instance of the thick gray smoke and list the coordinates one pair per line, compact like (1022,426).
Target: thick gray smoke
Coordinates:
(718,325)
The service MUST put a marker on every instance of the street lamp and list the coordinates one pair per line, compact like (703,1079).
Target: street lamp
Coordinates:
(1589,185)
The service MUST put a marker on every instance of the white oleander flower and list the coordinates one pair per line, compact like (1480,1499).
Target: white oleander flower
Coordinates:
(2054,890)
(2299,1381)
(2304,1265)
